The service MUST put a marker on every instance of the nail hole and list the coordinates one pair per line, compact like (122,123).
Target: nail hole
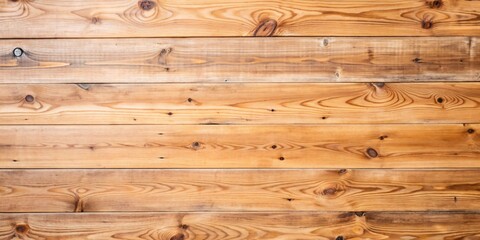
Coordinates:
(190,100)
(471,131)
(29,98)
(170,113)
(440,100)
(342,171)
(325,42)
(17,52)
(339,238)
(274,146)
(281,158)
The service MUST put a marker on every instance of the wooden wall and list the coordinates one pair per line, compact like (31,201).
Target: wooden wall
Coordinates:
(252,119)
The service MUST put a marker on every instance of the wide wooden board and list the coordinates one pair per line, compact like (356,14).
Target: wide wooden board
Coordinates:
(229,103)
(299,59)
(183,18)
(258,146)
(202,226)
(79,190)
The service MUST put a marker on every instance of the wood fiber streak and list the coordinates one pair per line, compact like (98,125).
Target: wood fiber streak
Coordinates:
(184,18)
(306,103)
(274,146)
(215,226)
(77,190)
(334,59)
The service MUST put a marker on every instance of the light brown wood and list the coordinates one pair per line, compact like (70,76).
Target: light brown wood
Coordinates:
(333,59)
(152,18)
(305,103)
(77,190)
(273,146)
(294,226)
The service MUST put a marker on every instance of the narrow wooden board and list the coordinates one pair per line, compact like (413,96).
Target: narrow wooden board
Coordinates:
(333,59)
(277,146)
(291,226)
(79,190)
(183,18)
(306,103)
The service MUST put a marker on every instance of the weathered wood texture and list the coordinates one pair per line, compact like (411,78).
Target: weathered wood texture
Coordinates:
(274,146)
(333,59)
(304,103)
(213,226)
(152,18)
(238,190)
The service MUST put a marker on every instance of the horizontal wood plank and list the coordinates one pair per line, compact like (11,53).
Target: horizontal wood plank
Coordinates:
(219,146)
(294,226)
(229,103)
(238,190)
(182,18)
(333,59)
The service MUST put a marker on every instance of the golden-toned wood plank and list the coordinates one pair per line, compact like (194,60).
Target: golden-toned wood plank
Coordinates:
(238,190)
(305,103)
(294,226)
(277,146)
(337,59)
(155,18)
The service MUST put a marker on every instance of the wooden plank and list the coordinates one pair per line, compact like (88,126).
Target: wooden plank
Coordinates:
(335,59)
(83,190)
(274,146)
(175,226)
(182,18)
(305,103)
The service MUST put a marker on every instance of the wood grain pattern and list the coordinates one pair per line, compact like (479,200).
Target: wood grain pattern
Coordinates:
(74,190)
(213,226)
(333,59)
(306,103)
(273,146)
(155,18)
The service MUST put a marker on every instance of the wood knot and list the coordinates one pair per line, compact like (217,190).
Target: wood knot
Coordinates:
(95,20)
(342,171)
(281,158)
(417,60)
(179,236)
(379,84)
(360,214)
(183,226)
(190,100)
(339,238)
(427,23)
(372,153)
(146,4)
(84,86)
(17,52)
(266,28)
(21,228)
(435,3)
(329,191)
(29,98)
(471,131)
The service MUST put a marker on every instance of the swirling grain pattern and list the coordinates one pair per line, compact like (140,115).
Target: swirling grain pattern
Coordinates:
(77,190)
(273,103)
(236,225)
(218,146)
(183,18)
(332,59)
